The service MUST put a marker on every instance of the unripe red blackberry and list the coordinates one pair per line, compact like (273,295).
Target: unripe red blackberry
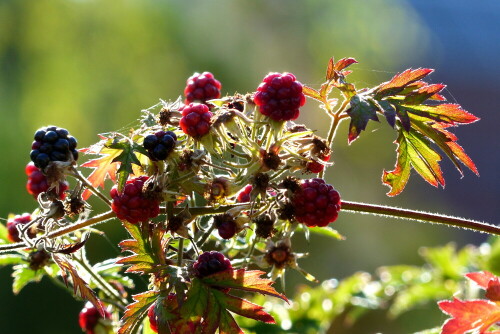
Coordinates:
(316,167)
(195,120)
(210,263)
(131,205)
(201,88)
(280,96)
(89,318)
(244,194)
(52,144)
(153,322)
(37,183)
(12,227)
(160,145)
(316,203)
(225,225)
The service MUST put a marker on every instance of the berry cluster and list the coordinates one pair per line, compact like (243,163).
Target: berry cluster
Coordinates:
(280,96)
(37,183)
(210,263)
(53,144)
(131,205)
(202,87)
(316,203)
(12,227)
(160,145)
(195,120)
(90,317)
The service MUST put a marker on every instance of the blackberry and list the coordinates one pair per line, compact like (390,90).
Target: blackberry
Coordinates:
(37,183)
(131,205)
(89,318)
(12,223)
(280,96)
(195,120)
(53,144)
(160,145)
(225,225)
(210,263)
(316,203)
(202,87)
(244,194)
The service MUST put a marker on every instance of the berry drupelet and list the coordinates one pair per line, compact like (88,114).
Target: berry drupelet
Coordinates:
(244,194)
(280,96)
(195,120)
(316,167)
(131,205)
(12,227)
(89,318)
(316,203)
(37,183)
(201,88)
(210,263)
(53,144)
(160,145)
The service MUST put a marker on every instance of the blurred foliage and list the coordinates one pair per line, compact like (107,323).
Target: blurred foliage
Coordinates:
(383,302)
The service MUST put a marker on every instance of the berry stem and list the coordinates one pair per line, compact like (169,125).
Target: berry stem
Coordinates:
(420,216)
(87,184)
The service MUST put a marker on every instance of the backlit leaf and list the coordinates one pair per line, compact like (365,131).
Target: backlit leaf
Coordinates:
(361,111)
(470,315)
(23,275)
(400,80)
(142,259)
(135,312)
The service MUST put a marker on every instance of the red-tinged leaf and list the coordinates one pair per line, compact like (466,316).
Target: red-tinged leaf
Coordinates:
(241,279)
(103,167)
(243,307)
(471,315)
(142,259)
(448,113)
(195,306)
(228,325)
(80,287)
(400,80)
(487,281)
(213,316)
(135,312)
(330,70)
(312,93)
(413,152)
(424,93)
(445,141)
(343,63)
(361,111)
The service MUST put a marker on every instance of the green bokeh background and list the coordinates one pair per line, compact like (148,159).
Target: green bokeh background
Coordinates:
(91,66)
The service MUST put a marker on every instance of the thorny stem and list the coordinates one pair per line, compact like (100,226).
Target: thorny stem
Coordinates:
(89,186)
(180,252)
(393,212)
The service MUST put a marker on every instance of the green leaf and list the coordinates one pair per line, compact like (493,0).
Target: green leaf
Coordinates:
(6,259)
(361,111)
(326,231)
(135,312)
(127,157)
(142,259)
(23,275)
(4,234)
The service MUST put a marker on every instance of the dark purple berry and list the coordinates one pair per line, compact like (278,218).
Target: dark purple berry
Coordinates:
(72,142)
(39,135)
(42,160)
(57,156)
(160,152)
(61,145)
(150,142)
(210,263)
(50,137)
(62,133)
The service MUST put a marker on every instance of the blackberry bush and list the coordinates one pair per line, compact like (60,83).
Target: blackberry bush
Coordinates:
(209,191)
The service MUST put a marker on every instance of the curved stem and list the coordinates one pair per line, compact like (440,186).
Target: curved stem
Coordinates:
(420,216)
(89,186)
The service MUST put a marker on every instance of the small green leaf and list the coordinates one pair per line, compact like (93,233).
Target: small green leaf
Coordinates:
(23,275)
(6,259)
(326,231)
(361,111)
(135,312)
(142,259)
(127,157)
(4,234)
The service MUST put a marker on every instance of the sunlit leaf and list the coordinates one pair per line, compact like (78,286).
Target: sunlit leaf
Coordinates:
(23,275)
(361,111)
(470,315)
(135,312)
(400,80)
(142,259)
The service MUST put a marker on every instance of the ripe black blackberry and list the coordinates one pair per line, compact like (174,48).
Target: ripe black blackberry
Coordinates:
(210,263)
(280,96)
(160,145)
(52,144)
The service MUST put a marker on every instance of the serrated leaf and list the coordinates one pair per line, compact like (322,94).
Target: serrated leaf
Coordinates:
(401,80)
(344,63)
(135,312)
(23,275)
(243,307)
(228,325)
(413,152)
(330,69)
(447,113)
(361,111)
(423,93)
(246,280)
(142,259)
(6,259)
(470,315)
(487,281)
(127,157)
(312,93)
(104,166)
(80,287)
